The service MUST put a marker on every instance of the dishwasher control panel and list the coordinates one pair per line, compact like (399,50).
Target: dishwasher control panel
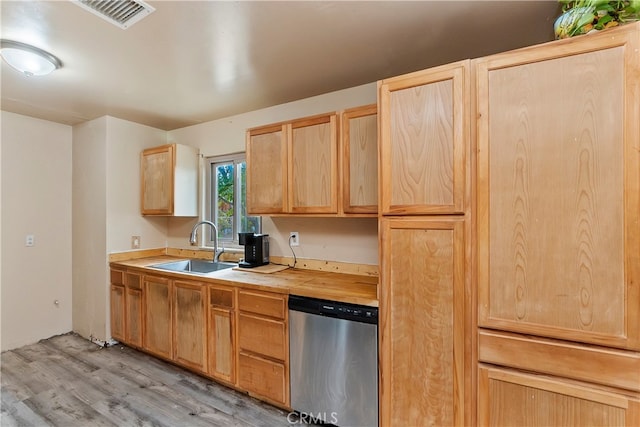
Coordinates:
(341,310)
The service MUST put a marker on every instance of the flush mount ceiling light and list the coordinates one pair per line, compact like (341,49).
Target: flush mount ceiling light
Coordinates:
(29,60)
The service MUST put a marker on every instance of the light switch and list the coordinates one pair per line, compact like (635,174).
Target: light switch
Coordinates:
(30,240)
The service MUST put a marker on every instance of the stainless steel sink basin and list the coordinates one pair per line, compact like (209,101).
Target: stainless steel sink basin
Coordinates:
(197,266)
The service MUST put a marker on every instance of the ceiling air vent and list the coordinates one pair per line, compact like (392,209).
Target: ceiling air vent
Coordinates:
(123,13)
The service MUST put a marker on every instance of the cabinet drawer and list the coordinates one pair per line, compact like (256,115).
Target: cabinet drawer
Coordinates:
(134,281)
(117,277)
(263,377)
(263,336)
(220,297)
(272,305)
(509,397)
(600,365)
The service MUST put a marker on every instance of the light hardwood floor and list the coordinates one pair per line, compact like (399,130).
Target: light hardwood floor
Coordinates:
(69,381)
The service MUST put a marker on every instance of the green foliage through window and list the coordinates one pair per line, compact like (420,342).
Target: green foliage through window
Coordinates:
(227,198)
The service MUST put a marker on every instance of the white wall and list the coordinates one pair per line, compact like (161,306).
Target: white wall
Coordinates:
(36,199)
(106,212)
(345,240)
(90,268)
(125,141)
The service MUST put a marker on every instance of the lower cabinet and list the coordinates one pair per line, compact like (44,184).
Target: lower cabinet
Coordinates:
(263,377)
(190,325)
(158,329)
(263,345)
(239,337)
(117,312)
(423,353)
(126,307)
(221,333)
(511,397)
(134,310)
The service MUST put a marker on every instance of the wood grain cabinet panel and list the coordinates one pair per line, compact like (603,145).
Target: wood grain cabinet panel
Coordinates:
(221,333)
(266,304)
(169,181)
(158,322)
(262,336)
(360,160)
(422,321)
(424,140)
(126,307)
(134,309)
(134,317)
(189,324)
(313,165)
(118,310)
(263,345)
(292,167)
(263,377)
(267,170)
(508,397)
(558,192)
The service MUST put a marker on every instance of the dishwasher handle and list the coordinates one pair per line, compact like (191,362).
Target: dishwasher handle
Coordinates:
(339,310)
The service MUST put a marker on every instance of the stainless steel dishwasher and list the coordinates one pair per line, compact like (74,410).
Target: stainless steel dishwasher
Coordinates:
(333,362)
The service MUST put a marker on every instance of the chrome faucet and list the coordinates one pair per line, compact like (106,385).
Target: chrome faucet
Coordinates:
(194,236)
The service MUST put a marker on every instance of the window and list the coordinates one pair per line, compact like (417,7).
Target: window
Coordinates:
(226,198)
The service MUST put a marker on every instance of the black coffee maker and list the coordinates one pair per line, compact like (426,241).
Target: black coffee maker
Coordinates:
(256,249)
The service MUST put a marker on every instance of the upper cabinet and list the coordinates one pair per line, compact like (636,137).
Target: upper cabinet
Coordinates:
(293,168)
(313,165)
(424,135)
(558,190)
(359,137)
(267,170)
(169,181)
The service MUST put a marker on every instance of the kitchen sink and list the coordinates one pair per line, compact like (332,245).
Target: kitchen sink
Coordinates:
(197,266)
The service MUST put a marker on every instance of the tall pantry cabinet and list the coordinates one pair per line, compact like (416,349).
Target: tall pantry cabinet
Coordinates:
(558,232)
(424,282)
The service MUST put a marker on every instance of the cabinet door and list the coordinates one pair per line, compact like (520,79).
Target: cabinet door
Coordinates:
(422,305)
(189,325)
(118,318)
(267,170)
(221,332)
(424,139)
(221,344)
(507,397)
(133,329)
(134,317)
(360,160)
(558,193)
(157,316)
(313,165)
(157,180)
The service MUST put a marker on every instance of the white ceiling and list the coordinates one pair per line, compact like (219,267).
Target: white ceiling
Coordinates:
(194,61)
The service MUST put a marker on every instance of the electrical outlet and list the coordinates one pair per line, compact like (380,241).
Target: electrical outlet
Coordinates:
(294,238)
(135,242)
(30,240)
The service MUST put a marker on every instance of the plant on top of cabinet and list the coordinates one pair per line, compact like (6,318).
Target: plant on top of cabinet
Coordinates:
(587,16)
(169,181)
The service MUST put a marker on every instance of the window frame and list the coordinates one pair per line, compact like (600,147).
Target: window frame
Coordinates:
(210,187)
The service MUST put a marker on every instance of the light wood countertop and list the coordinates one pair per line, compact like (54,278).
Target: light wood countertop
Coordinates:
(350,288)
